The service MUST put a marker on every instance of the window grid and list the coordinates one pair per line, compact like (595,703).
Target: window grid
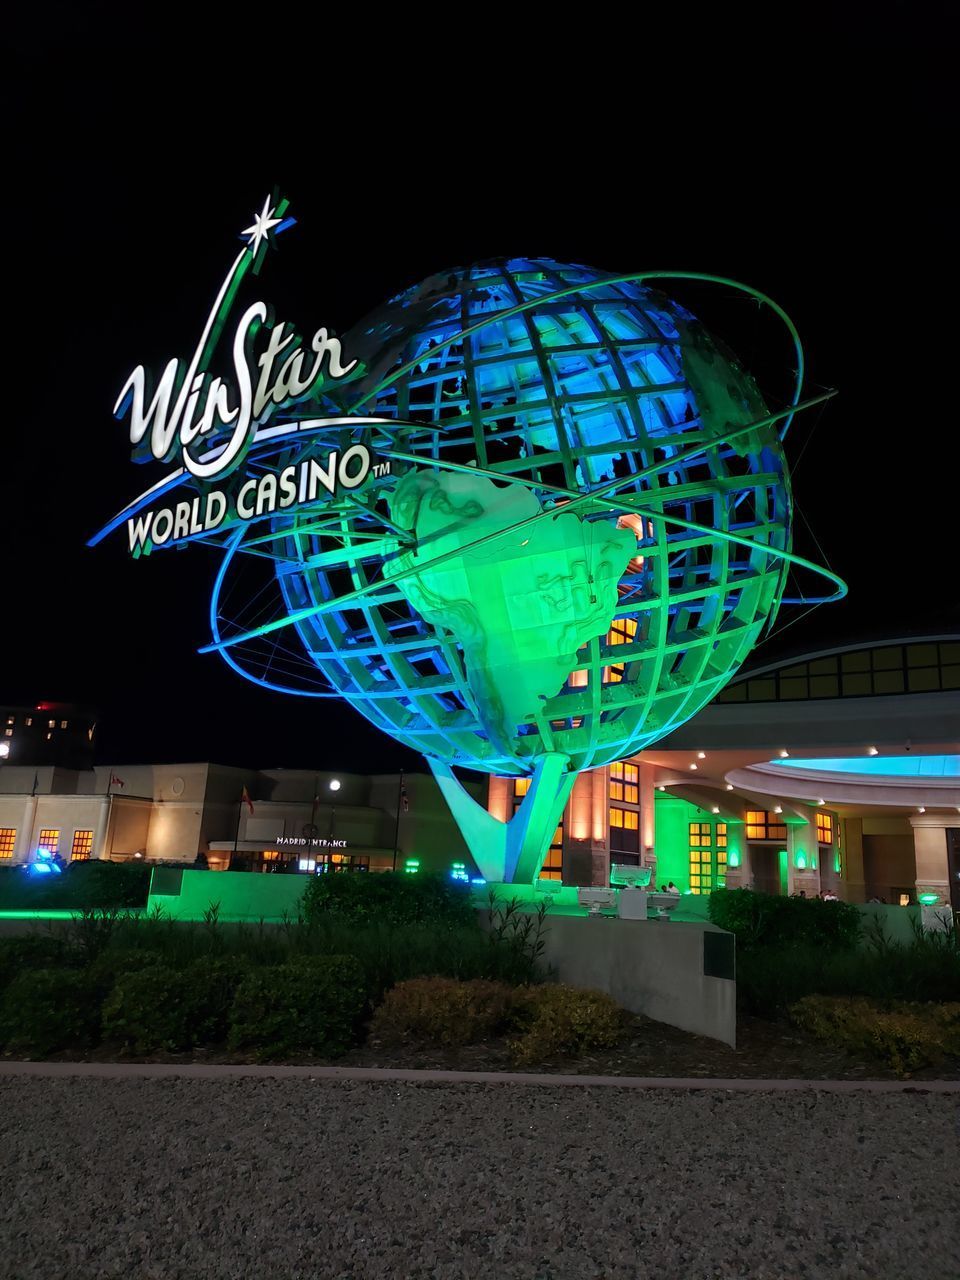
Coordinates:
(761,825)
(552,868)
(49,839)
(913,668)
(824,828)
(8,839)
(625,782)
(622,631)
(708,856)
(82,846)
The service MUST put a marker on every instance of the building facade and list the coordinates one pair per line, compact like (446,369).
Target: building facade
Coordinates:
(258,820)
(837,770)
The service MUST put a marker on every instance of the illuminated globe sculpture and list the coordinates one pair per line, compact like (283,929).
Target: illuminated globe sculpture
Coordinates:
(581,530)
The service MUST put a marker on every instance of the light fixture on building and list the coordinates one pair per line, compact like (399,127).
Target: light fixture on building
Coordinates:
(921,809)
(778,808)
(872,751)
(701,755)
(661,788)
(334,784)
(715,809)
(821,801)
(694,766)
(729,786)
(784,755)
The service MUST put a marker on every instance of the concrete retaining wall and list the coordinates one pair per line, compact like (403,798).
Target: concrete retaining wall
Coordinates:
(652,967)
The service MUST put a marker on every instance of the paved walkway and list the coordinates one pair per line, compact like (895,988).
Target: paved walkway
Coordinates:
(120,1173)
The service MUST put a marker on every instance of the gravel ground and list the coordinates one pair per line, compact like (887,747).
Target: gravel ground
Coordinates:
(149,1178)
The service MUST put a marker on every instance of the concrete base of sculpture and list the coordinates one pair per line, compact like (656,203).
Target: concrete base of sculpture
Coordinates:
(665,971)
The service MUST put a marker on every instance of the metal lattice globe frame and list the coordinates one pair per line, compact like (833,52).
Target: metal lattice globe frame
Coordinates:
(562,397)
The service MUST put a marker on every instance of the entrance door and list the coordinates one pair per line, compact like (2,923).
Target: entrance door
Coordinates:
(765,867)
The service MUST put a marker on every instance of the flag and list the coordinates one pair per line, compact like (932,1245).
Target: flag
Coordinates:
(245,799)
(117,782)
(36,783)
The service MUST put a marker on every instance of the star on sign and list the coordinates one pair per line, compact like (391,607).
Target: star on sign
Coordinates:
(263,223)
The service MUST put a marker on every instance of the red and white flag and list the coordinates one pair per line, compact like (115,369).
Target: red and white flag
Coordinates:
(117,782)
(245,799)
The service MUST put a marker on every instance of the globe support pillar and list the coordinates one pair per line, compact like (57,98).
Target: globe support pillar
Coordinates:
(511,852)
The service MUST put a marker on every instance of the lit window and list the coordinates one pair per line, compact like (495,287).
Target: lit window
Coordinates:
(11,720)
(552,868)
(8,838)
(28,721)
(708,856)
(63,724)
(625,782)
(271,855)
(622,631)
(765,826)
(8,733)
(51,724)
(824,828)
(49,839)
(82,846)
(521,786)
(49,736)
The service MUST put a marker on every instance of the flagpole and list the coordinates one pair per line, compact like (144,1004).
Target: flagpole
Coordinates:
(236,834)
(396,830)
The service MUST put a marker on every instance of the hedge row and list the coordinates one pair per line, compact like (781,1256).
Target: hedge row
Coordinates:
(765,919)
(80,886)
(313,1005)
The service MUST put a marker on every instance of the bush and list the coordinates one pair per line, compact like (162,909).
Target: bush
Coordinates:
(904,1036)
(82,885)
(765,919)
(104,972)
(310,1004)
(563,1020)
(30,952)
(154,1006)
(48,1009)
(442,1011)
(391,898)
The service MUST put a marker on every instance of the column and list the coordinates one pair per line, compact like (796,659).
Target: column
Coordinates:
(100,834)
(586,851)
(24,847)
(852,887)
(930,852)
(648,819)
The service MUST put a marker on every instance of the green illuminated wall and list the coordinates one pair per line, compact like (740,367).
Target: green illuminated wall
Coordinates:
(672,817)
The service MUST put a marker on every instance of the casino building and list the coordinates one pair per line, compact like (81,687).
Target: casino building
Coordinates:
(834,770)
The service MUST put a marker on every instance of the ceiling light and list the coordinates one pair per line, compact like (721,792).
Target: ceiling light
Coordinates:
(715,809)
(693,766)
(921,809)
(729,786)
(821,801)
(784,755)
(872,751)
(701,755)
(778,808)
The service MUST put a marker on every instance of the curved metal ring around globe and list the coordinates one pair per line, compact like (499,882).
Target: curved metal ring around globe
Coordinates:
(693,465)
(573,498)
(631,277)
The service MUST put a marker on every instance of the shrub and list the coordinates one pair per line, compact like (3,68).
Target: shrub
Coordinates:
(442,1011)
(390,898)
(155,1006)
(30,952)
(765,919)
(103,972)
(150,1009)
(82,885)
(48,1009)
(903,1036)
(310,1004)
(563,1020)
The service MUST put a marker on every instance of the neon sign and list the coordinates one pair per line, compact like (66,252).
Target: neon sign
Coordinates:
(211,423)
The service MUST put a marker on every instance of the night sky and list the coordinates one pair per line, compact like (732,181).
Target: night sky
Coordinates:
(813,172)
